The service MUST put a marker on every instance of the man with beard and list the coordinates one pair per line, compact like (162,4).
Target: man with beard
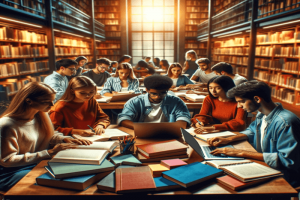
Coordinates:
(155,106)
(204,73)
(274,133)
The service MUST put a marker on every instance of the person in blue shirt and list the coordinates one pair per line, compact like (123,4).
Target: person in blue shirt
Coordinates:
(123,80)
(274,133)
(175,73)
(155,106)
(58,80)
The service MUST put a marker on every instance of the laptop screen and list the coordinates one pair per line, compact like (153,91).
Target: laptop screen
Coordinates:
(192,142)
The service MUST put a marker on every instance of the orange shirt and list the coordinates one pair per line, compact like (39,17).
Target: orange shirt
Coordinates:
(226,115)
(68,115)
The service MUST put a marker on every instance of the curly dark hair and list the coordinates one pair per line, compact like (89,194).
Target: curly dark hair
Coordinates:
(158,82)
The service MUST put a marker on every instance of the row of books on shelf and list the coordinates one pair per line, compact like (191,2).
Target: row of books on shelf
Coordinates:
(278,64)
(71,42)
(112,28)
(197,15)
(107,3)
(191,34)
(12,34)
(35,7)
(109,21)
(197,3)
(232,59)
(113,34)
(196,9)
(277,50)
(194,21)
(9,51)
(240,70)
(107,15)
(19,68)
(106,9)
(232,51)
(232,42)
(108,52)
(277,37)
(238,18)
(200,52)
(221,5)
(273,7)
(109,46)
(110,57)
(82,5)
(63,51)
(191,28)
(194,45)
(284,94)
(70,20)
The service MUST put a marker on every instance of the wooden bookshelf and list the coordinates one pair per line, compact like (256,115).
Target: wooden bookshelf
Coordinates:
(199,47)
(221,5)
(268,8)
(82,5)
(110,49)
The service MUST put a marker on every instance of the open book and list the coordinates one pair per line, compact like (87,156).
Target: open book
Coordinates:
(112,134)
(244,170)
(86,154)
(211,134)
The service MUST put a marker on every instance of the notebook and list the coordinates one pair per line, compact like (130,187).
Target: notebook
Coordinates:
(172,163)
(112,134)
(191,174)
(125,160)
(157,169)
(66,170)
(204,150)
(162,183)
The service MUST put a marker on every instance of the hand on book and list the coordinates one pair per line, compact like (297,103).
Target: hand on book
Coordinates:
(83,132)
(78,141)
(204,130)
(228,151)
(60,147)
(114,92)
(218,141)
(99,129)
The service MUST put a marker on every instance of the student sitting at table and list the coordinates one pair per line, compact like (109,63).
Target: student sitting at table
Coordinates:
(99,74)
(190,65)
(150,63)
(124,59)
(218,109)
(58,80)
(155,106)
(164,64)
(78,108)
(123,80)
(27,133)
(143,69)
(156,62)
(113,66)
(175,73)
(223,68)
(274,133)
(204,73)
(81,60)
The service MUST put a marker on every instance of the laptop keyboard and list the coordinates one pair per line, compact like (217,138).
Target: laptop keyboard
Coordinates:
(208,149)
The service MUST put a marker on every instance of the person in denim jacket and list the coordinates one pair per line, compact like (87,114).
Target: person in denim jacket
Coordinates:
(175,73)
(155,106)
(274,133)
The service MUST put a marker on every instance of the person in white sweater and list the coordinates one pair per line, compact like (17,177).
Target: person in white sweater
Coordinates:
(27,133)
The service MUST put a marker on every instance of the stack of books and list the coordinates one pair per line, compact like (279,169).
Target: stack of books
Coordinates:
(158,151)
(165,165)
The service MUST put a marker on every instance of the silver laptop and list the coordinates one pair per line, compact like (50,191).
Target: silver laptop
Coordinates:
(204,150)
(158,130)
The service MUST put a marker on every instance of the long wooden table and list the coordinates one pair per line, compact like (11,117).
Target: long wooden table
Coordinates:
(276,188)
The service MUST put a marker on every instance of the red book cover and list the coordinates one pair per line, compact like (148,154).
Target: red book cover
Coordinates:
(134,179)
(236,184)
(173,163)
(164,154)
(158,148)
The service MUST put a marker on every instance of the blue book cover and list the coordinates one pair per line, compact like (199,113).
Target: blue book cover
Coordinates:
(125,160)
(162,183)
(191,174)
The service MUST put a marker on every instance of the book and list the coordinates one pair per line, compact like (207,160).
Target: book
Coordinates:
(144,159)
(172,163)
(112,134)
(161,148)
(125,160)
(205,137)
(108,183)
(245,170)
(195,97)
(236,184)
(75,183)
(157,169)
(66,170)
(134,179)
(181,152)
(191,174)
(162,183)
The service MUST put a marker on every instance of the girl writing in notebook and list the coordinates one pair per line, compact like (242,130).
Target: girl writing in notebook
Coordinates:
(218,109)
(175,73)
(124,80)
(78,108)
(27,133)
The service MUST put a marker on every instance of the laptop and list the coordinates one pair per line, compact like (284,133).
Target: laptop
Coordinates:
(158,130)
(122,97)
(204,150)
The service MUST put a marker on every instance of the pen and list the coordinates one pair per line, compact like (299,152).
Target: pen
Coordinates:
(198,121)
(91,128)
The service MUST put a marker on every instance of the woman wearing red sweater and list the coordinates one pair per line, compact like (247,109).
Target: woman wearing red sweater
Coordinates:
(78,108)
(218,109)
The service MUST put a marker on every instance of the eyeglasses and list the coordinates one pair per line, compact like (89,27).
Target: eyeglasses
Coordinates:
(158,94)
(102,67)
(72,69)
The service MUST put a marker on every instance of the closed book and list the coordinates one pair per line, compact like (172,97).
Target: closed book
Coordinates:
(66,170)
(125,160)
(134,179)
(172,163)
(191,174)
(160,148)
(108,183)
(75,183)
(236,184)
(162,183)
(157,169)
(143,159)
(164,154)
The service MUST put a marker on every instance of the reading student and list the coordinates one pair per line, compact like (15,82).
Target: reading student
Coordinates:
(123,80)
(99,74)
(155,106)
(274,133)
(143,69)
(27,132)
(190,66)
(81,60)
(223,68)
(175,73)
(78,108)
(218,109)
(58,80)
(204,73)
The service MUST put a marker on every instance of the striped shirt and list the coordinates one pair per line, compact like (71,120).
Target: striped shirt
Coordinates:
(57,82)
(114,84)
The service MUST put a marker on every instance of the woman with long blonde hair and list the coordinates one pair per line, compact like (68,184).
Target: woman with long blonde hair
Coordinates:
(123,80)
(78,108)
(190,65)
(175,73)
(27,133)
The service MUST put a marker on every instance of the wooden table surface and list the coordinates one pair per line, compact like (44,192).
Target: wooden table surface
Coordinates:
(276,188)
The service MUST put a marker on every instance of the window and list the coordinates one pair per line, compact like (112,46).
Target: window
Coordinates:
(152,29)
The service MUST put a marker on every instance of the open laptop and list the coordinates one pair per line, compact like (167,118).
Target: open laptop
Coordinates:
(122,97)
(204,150)
(158,130)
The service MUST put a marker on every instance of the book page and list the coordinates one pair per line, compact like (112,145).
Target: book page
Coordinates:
(92,138)
(109,145)
(114,133)
(218,134)
(80,154)
(104,99)
(251,170)
(222,163)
